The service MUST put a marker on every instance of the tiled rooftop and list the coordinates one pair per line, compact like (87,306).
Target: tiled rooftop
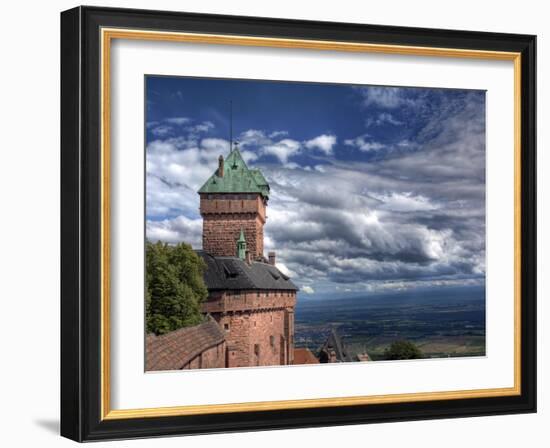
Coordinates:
(173,350)
(304,356)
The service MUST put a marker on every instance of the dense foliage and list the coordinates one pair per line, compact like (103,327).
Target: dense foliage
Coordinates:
(174,287)
(402,350)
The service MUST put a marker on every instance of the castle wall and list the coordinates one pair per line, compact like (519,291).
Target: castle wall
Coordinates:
(224,216)
(259,328)
(211,358)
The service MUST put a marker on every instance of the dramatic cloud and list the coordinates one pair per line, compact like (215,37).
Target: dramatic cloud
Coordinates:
(176,230)
(404,202)
(175,169)
(399,207)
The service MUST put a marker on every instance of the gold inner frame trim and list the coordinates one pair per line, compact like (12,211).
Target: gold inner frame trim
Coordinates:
(107,35)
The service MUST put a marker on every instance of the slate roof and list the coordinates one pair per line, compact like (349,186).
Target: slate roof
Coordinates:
(232,273)
(237,178)
(173,350)
(334,342)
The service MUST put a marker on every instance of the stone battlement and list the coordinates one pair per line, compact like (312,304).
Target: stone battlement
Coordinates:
(231,302)
(232,204)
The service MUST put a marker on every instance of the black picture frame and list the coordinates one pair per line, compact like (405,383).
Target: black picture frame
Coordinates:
(81,224)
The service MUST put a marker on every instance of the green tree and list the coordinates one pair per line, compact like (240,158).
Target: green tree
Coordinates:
(402,350)
(174,287)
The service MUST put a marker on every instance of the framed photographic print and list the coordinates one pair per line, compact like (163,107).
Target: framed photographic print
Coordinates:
(273,223)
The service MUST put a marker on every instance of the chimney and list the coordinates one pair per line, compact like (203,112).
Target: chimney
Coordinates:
(248,258)
(271,257)
(220,166)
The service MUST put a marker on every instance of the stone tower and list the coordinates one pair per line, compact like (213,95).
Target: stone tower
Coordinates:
(250,299)
(233,203)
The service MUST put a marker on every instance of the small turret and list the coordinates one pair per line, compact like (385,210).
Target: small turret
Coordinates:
(241,246)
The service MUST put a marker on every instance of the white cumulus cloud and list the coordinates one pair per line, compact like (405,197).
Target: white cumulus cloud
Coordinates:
(283,149)
(323,142)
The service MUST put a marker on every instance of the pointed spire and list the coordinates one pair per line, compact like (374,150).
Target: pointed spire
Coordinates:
(241,246)
(241,237)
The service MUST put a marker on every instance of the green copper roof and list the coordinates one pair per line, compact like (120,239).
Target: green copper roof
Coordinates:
(259,178)
(237,178)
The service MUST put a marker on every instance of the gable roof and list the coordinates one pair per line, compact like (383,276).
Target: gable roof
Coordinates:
(172,351)
(334,342)
(232,273)
(237,178)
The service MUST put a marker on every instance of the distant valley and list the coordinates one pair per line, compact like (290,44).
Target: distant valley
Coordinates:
(442,322)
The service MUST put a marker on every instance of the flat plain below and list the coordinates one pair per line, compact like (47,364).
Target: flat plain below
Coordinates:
(442,322)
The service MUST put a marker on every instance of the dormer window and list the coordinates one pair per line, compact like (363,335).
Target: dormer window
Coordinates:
(230,273)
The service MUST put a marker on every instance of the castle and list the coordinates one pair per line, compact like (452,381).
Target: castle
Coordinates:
(249,312)
(250,304)
(252,301)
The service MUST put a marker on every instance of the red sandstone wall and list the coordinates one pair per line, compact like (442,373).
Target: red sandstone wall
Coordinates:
(259,329)
(223,218)
(220,234)
(289,330)
(259,326)
(212,358)
(237,329)
(244,301)
(256,338)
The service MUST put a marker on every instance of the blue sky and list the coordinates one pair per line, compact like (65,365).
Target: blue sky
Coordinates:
(373,188)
